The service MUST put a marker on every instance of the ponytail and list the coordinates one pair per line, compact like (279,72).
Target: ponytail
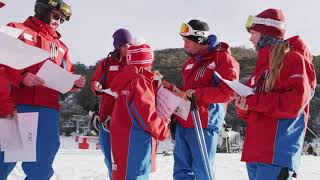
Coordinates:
(276,57)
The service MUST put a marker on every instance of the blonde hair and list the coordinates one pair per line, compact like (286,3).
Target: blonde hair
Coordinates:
(276,57)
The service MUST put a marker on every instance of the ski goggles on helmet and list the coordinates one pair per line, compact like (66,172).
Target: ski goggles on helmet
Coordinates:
(61,6)
(186,30)
(65,9)
(253,20)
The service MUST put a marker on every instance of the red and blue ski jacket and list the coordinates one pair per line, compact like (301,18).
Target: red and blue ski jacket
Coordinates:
(135,126)
(211,92)
(277,120)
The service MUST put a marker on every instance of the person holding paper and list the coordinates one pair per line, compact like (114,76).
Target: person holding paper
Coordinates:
(18,79)
(106,70)
(40,31)
(135,125)
(207,55)
(277,114)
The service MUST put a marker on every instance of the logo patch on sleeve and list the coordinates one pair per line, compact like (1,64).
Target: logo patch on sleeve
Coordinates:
(189,66)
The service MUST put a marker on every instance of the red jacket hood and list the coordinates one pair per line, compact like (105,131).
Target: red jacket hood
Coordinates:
(128,73)
(297,44)
(41,27)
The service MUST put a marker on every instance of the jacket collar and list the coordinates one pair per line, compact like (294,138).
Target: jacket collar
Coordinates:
(41,27)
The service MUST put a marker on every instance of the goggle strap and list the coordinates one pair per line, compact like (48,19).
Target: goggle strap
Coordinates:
(269,22)
(194,32)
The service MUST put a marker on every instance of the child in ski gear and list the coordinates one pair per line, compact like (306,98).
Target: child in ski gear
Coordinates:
(207,56)
(277,114)
(106,70)
(40,31)
(135,126)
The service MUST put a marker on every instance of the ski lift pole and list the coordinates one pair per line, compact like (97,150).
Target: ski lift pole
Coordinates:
(200,136)
(313,133)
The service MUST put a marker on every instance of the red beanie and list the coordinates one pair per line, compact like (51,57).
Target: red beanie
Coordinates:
(275,14)
(140,55)
(2,4)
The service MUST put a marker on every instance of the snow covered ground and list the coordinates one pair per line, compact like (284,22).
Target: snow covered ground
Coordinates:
(74,164)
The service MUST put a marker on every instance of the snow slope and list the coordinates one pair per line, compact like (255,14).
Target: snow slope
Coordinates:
(74,164)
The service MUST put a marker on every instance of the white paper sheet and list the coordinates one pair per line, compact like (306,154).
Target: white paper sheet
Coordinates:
(28,127)
(15,53)
(167,103)
(56,77)
(183,109)
(10,138)
(13,32)
(239,88)
(108,91)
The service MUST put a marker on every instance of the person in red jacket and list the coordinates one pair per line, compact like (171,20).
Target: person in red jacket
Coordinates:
(207,57)
(17,78)
(106,70)
(277,114)
(41,31)
(135,125)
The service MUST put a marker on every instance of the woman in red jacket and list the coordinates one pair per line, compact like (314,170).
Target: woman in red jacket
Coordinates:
(106,70)
(277,114)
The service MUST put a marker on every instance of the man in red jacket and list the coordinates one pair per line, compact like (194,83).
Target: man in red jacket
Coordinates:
(17,78)
(207,56)
(40,31)
(135,125)
(106,70)
(277,114)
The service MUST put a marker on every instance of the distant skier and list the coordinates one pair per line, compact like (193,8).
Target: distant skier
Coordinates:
(277,114)
(225,133)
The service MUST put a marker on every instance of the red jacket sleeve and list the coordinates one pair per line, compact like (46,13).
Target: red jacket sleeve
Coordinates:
(98,73)
(14,76)
(143,107)
(7,105)
(294,95)
(228,69)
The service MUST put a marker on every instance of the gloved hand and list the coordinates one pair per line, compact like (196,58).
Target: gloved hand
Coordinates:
(106,124)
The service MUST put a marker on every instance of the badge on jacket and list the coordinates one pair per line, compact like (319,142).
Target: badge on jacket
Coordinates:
(114,68)
(189,66)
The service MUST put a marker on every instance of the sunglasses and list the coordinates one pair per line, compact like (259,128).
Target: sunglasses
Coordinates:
(58,17)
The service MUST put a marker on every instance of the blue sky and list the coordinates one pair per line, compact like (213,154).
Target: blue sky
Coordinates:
(89,32)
